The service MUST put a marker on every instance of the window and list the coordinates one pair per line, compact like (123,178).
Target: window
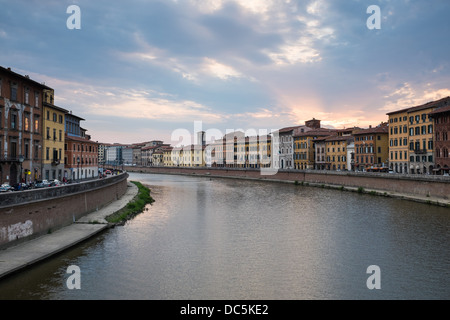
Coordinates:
(36,100)
(14,92)
(47,153)
(13,120)
(48,133)
(424,117)
(417,131)
(27,147)
(60,119)
(430,128)
(417,118)
(60,135)
(36,123)
(27,122)
(27,97)
(54,117)
(36,149)
(411,131)
(0,89)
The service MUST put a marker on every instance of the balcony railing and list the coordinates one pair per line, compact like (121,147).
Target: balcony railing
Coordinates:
(420,151)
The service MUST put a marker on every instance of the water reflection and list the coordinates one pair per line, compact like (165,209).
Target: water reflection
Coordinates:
(227,239)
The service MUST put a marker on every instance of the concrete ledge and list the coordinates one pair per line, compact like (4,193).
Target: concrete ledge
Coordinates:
(16,258)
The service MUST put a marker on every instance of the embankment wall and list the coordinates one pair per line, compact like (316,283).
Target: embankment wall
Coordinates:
(418,185)
(28,214)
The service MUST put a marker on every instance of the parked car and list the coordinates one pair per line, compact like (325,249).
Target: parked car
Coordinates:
(6,188)
(20,186)
(55,183)
(42,184)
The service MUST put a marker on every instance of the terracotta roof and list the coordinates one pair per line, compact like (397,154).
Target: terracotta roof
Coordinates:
(440,110)
(432,104)
(377,129)
(316,132)
(339,138)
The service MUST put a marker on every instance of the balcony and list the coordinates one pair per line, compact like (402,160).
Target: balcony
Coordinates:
(420,151)
(9,159)
(55,162)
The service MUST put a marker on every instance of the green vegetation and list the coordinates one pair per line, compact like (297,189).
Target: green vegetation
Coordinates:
(296,182)
(373,193)
(360,190)
(134,207)
(341,188)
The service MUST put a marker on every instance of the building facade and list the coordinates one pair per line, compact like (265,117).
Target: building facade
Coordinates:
(399,141)
(441,117)
(20,128)
(372,148)
(53,139)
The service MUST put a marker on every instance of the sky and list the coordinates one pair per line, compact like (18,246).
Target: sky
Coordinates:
(144,70)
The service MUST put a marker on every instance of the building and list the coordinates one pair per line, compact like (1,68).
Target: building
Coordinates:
(101,154)
(114,155)
(127,156)
(336,152)
(167,157)
(53,124)
(20,127)
(372,148)
(285,140)
(413,151)
(81,153)
(441,117)
(305,149)
(399,141)
(320,153)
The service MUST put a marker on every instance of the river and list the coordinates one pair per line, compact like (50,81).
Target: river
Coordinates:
(228,239)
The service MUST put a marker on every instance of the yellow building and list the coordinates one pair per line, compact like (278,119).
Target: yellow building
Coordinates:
(336,152)
(260,149)
(304,147)
(167,157)
(421,135)
(399,141)
(411,139)
(53,138)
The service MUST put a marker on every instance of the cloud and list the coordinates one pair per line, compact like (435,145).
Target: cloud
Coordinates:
(407,96)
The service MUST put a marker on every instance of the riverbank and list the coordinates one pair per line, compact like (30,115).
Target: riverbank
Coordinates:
(433,190)
(30,252)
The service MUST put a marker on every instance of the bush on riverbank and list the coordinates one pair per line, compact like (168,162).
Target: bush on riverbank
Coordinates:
(134,207)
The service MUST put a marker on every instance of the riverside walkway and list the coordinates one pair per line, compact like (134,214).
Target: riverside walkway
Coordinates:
(30,252)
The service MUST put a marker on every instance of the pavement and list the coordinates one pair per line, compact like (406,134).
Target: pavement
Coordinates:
(30,252)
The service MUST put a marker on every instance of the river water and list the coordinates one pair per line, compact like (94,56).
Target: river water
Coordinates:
(229,239)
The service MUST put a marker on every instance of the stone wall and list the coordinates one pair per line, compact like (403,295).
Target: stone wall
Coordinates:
(420,185)
(29,214)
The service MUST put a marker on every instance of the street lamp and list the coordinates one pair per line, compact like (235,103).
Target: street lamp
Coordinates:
(78,169)
(21,159)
